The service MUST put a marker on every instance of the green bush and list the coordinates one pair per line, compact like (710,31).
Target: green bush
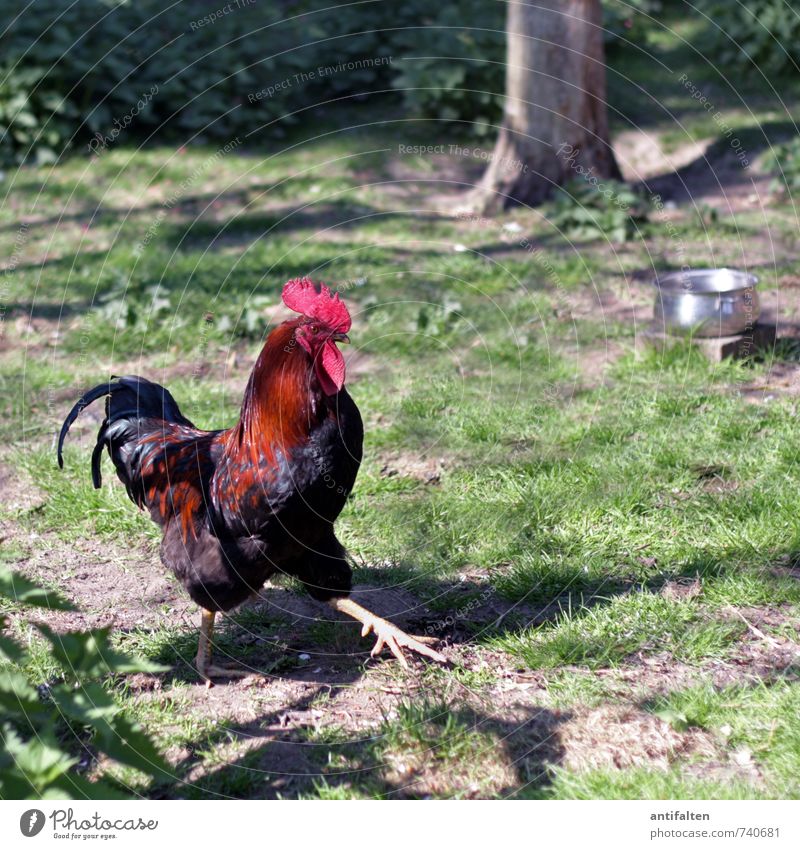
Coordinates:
(122,70)
(69,69)
(765,33)
(49,727)
(117,71)
(453,71)
(784,162)
(627,20)
(610,210)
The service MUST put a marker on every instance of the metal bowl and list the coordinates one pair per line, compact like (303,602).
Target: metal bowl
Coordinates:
(706,302)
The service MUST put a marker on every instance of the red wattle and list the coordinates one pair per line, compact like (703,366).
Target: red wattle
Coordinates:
(330,368)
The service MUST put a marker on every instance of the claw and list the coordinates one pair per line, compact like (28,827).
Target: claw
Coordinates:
(428,641)
(391,637)
(387,635)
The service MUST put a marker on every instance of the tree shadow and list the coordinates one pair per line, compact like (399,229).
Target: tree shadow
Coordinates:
(445,749)
(719,167)
(187,204)
(240,230)
(321,733)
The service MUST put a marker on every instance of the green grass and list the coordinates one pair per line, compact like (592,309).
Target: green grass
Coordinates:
(424,744)
(579,525)
(74,507)
(641,783)
(757,720)
(614,629)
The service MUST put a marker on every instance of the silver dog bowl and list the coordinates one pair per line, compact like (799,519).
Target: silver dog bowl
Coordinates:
(706,302)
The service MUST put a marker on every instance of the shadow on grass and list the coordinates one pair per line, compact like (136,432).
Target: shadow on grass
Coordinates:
(430,748)
(425,747)
(189,204)
(318,736)
(317,217)
(719,168)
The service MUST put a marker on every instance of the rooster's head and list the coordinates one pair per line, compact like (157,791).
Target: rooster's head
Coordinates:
(325,321)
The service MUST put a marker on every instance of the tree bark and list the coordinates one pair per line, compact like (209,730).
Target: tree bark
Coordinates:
(555,121)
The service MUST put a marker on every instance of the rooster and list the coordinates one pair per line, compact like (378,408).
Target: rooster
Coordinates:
(238,506)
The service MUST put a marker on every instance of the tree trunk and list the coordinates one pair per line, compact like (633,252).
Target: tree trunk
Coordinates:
(555,122)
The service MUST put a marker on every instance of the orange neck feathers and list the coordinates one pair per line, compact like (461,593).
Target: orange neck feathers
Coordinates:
(282,402)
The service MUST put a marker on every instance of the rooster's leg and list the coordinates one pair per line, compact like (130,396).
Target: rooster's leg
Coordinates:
(203,660)
(388,635)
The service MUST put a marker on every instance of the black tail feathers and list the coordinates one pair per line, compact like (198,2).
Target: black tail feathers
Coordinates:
(129,397)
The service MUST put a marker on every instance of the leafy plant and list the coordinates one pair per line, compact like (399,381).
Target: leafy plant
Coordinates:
(103,72)
(784,161)
(106,71)
(627,20)
(765,33)
(455,71)
(152,313)
(609,210)
(707,216)
(49,728)
(452,71)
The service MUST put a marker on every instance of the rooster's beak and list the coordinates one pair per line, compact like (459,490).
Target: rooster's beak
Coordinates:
(341,337)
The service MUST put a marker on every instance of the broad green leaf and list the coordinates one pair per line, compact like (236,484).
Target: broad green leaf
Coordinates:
(20,589)
(39,759)
(71,786)
(9,649)
(17,696)
(89,654)
(125,742)
(115,736)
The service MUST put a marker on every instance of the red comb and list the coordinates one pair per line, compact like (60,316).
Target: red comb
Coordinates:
(301,296)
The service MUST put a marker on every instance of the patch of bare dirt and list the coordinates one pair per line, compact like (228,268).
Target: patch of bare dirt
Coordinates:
(428,470)
(706,171)
(620,737)
(629,303)
(641,155)
(682,588)
(111,586)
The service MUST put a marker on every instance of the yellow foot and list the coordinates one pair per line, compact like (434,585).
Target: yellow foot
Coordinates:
(391,637)
(203,659)
(210,671)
